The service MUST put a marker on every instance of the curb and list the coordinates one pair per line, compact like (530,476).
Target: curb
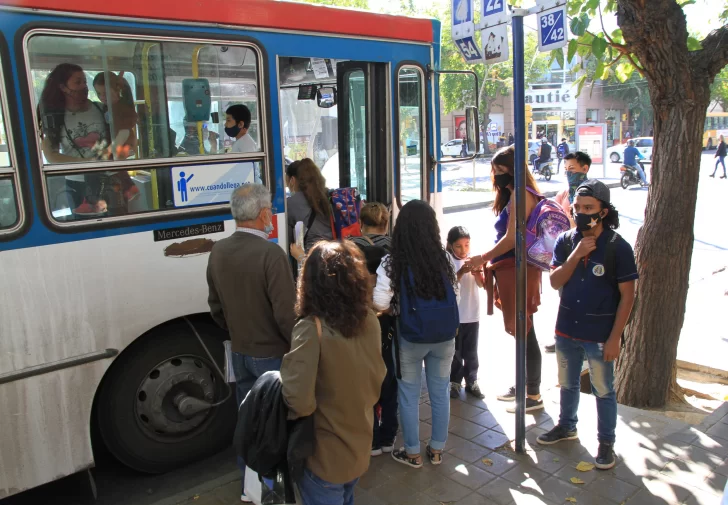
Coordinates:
(694,367)
(488,204)
(200,489)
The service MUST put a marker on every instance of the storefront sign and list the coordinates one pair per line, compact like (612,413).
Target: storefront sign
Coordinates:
(562,98)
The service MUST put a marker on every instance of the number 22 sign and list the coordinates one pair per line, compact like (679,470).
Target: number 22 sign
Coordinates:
(494,12)
(552,32)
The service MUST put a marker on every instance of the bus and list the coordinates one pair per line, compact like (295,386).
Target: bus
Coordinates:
(111,199)
(716,124)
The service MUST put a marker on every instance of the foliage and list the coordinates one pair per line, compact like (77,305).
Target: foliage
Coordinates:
(719,90)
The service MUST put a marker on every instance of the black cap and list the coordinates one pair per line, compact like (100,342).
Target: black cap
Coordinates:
(594,188)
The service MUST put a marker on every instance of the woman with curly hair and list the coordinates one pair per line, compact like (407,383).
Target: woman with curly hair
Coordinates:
(501,261)
(334,369)
(309,204)
(419,264)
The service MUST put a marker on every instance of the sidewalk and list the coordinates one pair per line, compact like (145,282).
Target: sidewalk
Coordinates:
(457,181)
(660,462)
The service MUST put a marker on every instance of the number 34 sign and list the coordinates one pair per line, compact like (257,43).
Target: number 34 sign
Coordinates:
(552,32)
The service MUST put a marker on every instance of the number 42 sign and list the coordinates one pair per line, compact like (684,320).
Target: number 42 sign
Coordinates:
(552,32)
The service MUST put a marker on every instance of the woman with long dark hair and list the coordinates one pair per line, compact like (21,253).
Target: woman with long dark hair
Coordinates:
(501,261)
(334,369)
(419,264)
(309,204)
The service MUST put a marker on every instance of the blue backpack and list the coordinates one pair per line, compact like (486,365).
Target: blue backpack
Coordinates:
(427,321)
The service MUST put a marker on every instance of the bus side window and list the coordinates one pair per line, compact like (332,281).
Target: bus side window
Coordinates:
(10,208)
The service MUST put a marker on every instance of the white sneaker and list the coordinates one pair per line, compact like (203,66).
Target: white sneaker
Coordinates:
(245,499)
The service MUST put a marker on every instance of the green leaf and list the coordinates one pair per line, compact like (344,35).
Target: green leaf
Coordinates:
(605,74)
(694,44)
(624,71)
(579,24)
(579,83)
(573,45)
(590,6)
(617,36)
(599,45)
(687,2)
(559,54)
(600,70)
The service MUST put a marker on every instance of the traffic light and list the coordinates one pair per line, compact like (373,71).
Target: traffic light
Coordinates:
(529,114)
(624,117)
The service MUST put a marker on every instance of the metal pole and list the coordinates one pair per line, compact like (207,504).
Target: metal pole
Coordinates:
(519,109)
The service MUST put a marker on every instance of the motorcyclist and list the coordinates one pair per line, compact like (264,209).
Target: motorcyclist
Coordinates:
(544,154)
(631,154)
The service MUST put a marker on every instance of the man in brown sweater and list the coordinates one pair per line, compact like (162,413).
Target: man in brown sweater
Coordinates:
(252,293)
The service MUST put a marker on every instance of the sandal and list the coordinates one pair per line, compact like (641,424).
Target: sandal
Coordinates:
(435,457)
(401,456)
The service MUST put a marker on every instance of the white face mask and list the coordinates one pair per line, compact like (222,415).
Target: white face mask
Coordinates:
(269,227)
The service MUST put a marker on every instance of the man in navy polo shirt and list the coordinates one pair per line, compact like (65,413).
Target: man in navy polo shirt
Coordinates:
(596,269)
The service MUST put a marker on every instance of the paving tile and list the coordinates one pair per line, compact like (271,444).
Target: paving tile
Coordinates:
(687,436)
(392,492)
(572,450)
(419,479)
(454,441)
(471,476)
(499,491)
(464,410)
(546,461)
(418,499)
(698,497)
(373,478)
(722,468)
(491,439)
(464,429)
(719,430)
(366,498)
(715,483)
(229,493)
(485,419)
(689,472)
(612,488)
(528,497)
(661,488)
(390,467)
(523,473)
(569,471)
(447,490)
(634,477)
(531,437)
(501,464)
(475,499)
(712,444)
(470,452)
(448,465)
(558,490)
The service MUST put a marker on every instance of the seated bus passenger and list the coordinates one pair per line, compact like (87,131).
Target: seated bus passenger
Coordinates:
(191,142)
(237,123)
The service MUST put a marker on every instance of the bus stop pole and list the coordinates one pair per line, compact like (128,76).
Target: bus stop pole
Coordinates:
(520,195)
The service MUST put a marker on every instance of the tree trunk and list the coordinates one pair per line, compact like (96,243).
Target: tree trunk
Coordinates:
(680,97)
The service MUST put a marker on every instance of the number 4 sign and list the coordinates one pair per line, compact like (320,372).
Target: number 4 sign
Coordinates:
(552,32)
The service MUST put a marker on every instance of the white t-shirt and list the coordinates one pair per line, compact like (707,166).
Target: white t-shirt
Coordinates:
(83,132)
(244,144)
(469,304)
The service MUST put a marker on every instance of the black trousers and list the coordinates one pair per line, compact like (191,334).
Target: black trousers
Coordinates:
(385,411)
(465,360)
(533,363)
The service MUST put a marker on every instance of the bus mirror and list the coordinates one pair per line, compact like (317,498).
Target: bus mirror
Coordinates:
(472,131)
(326,97)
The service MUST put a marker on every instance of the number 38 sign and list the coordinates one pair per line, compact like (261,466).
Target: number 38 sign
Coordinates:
(552,32)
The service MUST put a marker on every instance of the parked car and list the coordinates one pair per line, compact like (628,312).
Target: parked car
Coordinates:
(454,148)
(643,144)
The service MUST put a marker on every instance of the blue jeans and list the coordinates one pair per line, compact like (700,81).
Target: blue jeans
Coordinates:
(720,161)
(640,173)
(570,355)
(316,491)
(247,370)
(438,360)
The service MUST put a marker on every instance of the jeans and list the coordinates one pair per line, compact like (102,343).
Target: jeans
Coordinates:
(438,359)
(386,424)
(465,362)
(640,173)
(570,355)
(247,370)
(720,161)
(316,491)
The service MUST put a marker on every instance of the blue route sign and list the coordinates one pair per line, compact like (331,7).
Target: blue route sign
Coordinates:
(463,30)
(552,31)
(469,49)
(493,12)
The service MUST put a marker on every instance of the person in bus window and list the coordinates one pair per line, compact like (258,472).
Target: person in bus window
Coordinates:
(310,205)
(74,129)
(191,142)
(237,123)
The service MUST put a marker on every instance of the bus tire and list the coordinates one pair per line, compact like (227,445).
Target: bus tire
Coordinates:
(136,417)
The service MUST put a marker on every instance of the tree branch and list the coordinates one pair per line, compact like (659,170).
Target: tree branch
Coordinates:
(619,47)
(714,55)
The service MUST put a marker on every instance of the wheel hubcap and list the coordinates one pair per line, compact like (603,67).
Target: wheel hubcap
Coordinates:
(155,407)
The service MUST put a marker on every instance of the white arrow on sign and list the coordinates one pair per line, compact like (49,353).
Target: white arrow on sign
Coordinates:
(552,29)
(495,44)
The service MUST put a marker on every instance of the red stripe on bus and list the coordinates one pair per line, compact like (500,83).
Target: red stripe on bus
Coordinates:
(270,14)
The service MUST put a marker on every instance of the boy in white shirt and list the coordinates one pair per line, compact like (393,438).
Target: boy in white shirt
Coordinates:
(237,123)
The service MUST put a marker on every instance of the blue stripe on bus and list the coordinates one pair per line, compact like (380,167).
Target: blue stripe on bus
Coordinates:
(283,44)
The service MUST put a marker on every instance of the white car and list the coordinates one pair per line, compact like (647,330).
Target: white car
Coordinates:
(454,148)
(533,146)
(643,145)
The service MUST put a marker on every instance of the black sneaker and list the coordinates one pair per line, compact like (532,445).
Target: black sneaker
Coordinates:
(550,348)
(531,405)
(455,390)
(510,396)
(556,435)
(605,456)
(474,390)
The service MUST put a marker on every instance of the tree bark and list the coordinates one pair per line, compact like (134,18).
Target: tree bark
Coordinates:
(679,84)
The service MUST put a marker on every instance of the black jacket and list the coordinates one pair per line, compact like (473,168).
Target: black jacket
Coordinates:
(265,439)
(721,152)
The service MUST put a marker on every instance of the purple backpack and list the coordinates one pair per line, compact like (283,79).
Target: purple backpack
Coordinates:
(546,222)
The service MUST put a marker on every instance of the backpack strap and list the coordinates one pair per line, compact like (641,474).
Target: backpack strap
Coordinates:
(610,258)
(371,242)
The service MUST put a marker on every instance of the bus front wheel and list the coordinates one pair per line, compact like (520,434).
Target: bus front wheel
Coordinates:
(137,408)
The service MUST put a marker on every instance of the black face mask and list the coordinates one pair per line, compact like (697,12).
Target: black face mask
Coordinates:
(503,180)
(232,131)
(585,222)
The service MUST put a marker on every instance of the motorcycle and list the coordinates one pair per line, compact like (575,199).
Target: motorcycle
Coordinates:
(630,176)
(544,170)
